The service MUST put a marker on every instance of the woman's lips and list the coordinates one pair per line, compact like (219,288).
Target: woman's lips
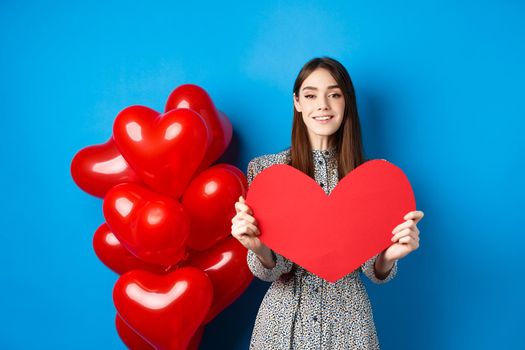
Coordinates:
(323,119)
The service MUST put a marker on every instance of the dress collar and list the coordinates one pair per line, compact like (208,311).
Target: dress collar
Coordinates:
(328,153)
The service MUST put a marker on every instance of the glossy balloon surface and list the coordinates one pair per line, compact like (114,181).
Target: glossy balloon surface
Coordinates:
(167,310)
(168,214)
(132,339)
(95,169)
(225,264)
(152,227)
(237,171)
(165,150)
(197,99)
(115,256)
(209,201)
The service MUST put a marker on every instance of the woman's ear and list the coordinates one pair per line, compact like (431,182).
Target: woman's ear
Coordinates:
(296,103)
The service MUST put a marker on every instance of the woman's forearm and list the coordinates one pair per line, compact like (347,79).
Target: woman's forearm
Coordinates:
(265,255)
(382,267)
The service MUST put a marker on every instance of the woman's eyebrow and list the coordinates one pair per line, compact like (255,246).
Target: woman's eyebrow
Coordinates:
(314,88)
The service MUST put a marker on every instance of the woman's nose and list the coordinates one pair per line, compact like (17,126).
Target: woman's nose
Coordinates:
(323,103)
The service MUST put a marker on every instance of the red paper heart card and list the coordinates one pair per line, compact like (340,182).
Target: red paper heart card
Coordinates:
(330,235)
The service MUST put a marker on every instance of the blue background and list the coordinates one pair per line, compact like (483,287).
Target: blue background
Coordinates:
(440,93)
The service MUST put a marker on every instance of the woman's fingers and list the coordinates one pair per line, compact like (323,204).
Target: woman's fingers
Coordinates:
(415,215)
(245,228)
(406,239)
(244,231)
(244,216)
(411,241)
(253,229)
(403,226)
(244,225)
(407,232)
(241,206)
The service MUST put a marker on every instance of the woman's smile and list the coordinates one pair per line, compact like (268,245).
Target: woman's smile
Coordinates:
(323,119)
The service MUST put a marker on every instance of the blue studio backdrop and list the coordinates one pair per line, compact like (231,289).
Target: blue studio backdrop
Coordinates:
(440,93)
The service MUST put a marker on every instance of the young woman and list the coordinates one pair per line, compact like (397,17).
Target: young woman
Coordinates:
(301,310)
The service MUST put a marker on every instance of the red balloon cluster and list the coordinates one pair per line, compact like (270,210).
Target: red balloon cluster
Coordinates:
(168,214)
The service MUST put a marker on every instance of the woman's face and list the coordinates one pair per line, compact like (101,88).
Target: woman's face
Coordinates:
(322,104)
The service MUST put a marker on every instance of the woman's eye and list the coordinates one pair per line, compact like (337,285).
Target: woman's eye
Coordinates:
(331,95)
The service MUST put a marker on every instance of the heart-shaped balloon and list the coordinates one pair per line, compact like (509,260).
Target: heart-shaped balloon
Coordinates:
(152,227)
(227,131)
(197,99)
(95,169)
(209,201)
(237,171)
(333,235)
(166,310)
(196,339)
(225,265)
(132,339)
(164,149)
(113,254)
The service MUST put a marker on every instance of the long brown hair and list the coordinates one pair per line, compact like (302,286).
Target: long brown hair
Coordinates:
(347,142)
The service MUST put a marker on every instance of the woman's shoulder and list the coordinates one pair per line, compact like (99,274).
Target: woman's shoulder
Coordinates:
(266,160)
(258,164)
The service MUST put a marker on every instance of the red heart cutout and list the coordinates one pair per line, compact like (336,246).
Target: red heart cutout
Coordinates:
(95,169)
(152,227)
(113,254)
(209,201)
(333,235)
(164,149)
(166,310)
(197,99)
(225,265)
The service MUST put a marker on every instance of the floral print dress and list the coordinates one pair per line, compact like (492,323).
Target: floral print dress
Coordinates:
(301,310)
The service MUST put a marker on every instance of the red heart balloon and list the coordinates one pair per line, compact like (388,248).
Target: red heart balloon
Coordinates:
(227,131)
(236,171)
(95,169)
(113,254)
(152,227)
(196,339)
(132,339)
(167,310)
(225,265)
(330,236)
(197,99)
(209,201)
(164,149)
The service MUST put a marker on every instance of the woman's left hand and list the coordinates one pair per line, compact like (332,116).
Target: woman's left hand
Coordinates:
(406,237)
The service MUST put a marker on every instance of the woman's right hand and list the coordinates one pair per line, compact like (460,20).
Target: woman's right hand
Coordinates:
(244,227)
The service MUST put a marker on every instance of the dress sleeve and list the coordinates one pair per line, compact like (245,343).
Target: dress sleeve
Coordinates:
(369,271)
(282,265)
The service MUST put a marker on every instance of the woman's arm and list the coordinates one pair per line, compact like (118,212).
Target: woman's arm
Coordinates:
(262,261)
(281,266)
(378,271)
(383,266)
(266,256)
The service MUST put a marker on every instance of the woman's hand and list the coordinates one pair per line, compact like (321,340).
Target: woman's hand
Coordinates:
(244,227)
(406,237)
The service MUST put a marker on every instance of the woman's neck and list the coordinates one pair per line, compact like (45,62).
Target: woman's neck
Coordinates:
(321,144)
